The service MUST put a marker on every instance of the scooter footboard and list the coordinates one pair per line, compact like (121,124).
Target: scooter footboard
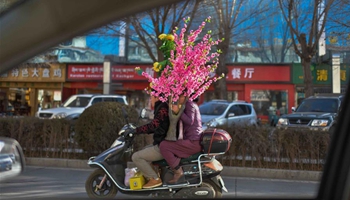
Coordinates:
(115,171)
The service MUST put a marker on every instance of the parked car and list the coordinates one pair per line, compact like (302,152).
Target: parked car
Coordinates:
(76,104)
(316,113)
(5,162)
(222,112)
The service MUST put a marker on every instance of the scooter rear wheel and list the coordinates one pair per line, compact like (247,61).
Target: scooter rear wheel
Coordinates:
(214,189)
(108,190)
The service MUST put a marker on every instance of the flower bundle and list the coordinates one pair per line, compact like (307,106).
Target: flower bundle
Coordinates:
(188,68)
(188,64)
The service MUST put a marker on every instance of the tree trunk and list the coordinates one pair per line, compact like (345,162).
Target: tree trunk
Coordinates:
(174,118)
(308,87)
(220,85)
(217,87)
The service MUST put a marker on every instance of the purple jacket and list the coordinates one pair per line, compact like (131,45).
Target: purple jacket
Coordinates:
(192,123)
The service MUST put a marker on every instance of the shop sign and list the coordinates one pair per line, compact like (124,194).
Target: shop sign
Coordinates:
(30,84)
(321,74)
(247,73)
(51,73)
(118,72)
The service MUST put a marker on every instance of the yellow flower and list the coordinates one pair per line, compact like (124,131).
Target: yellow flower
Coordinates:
(170,37)
(137,68)
(162,36)
(156,66)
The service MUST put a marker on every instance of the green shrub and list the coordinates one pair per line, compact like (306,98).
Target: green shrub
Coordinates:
(38,137)
(98,126)
(267,147)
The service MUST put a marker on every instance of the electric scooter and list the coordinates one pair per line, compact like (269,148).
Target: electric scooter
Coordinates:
(201,173)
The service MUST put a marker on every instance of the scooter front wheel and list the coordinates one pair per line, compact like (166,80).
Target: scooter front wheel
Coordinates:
(108,189)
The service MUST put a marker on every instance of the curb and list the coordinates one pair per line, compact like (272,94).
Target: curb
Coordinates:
(227,171)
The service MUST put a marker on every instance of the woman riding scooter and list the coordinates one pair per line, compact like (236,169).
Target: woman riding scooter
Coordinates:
(159,127)
(188,143)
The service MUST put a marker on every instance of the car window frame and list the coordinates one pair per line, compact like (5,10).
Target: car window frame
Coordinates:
(95,98)
(335,181)
(336,176)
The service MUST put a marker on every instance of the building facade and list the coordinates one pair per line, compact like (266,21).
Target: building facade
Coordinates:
(25,89)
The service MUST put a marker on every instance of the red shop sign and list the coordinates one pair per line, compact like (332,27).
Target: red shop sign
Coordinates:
(244,73)
(95,72)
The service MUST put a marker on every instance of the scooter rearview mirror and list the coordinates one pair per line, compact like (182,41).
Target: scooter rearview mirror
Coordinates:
(11,158)
(143,113)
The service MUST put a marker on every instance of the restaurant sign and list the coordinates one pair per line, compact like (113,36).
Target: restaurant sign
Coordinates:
(259,73)
(95,72)
(35,73)
(321,74)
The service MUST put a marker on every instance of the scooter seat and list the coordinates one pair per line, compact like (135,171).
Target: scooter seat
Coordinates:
(183,161)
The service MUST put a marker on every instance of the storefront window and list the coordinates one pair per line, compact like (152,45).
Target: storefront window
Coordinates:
(15,101)
(269,102)
(49,98)
(5,106)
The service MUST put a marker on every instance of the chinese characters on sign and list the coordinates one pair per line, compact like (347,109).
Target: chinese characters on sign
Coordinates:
(52,73)
(259,73)
(25,72)
(236,73)
(343,75)
(322,74)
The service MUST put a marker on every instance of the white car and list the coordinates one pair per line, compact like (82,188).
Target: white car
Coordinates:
(76,104)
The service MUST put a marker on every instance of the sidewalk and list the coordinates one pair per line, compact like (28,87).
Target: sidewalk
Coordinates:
(228,171)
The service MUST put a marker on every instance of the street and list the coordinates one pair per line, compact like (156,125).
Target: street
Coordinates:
(46,182)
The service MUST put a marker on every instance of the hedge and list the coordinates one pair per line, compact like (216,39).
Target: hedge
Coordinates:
(262,147)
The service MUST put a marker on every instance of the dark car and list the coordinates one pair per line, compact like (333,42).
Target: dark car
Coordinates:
(316,113)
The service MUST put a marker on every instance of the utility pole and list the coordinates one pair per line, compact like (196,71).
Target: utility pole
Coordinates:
(336,73)
(107,75)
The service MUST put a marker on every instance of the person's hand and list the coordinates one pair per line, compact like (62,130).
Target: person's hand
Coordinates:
(175,108)
(127,131)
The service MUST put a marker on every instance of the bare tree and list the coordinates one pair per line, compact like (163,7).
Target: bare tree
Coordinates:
(143,29)
(306,20)
(273,48)
(338,24)
(229,18)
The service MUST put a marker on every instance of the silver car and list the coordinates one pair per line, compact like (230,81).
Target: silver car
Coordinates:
(222,112)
